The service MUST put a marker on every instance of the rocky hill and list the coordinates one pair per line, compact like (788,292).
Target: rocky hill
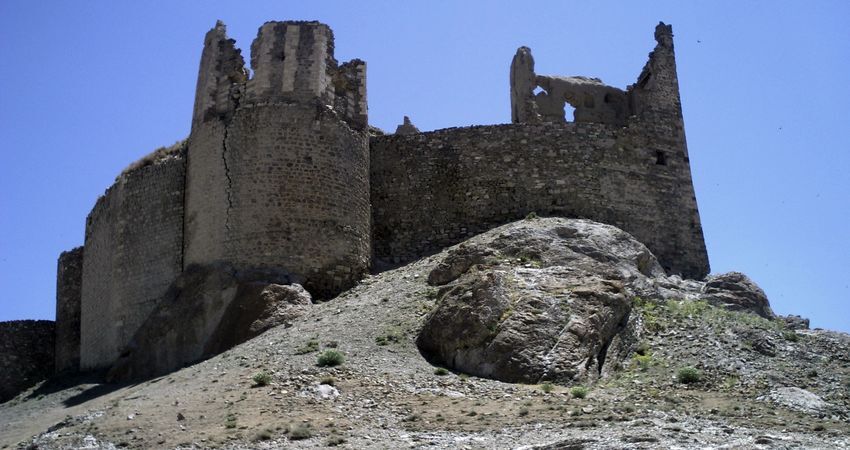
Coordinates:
(544,333)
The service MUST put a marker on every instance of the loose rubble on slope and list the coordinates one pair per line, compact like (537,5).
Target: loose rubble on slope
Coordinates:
(690,374)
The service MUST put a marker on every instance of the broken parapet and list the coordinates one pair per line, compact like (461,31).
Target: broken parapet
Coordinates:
(407,127)
(69,282)
(593,100)
(654,97)
(523,83)
(292,62)
(221,78)
(281,180)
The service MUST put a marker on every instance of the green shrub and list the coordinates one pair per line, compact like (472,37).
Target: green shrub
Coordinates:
(643,361)
(262,378)
(531,216)
(264,435)
(299,432)
(791,336)
(579,392)
(439,371)
(547,387)
(335,440)
(309,347)
(230,421)
(330,358)
(688,375)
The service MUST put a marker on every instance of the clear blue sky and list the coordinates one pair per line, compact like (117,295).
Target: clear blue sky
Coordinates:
(88,87)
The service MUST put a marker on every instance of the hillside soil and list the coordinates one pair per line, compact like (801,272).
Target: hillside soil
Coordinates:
(754,384)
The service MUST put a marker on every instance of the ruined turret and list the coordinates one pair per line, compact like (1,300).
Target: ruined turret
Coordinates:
(277,175)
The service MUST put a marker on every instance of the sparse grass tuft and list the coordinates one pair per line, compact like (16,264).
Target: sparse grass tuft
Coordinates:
(230,421)
(579,392)
(440,371)
(334,440)
(643,362)
(547,387)
(264,435)
(531,216)
(791,336)
(688,375)
(309,347)
(262,378)
(392,335)
(330,358)
(300,432)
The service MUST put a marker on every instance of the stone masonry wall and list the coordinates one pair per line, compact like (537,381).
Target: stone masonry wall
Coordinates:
(26,355)
(133,251)
(432,190)
(278,181)
(69,281)
(293,195)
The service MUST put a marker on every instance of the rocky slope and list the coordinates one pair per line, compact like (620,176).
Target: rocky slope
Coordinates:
(685,364)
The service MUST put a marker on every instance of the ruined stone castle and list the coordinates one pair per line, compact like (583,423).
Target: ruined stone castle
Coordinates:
(282,175)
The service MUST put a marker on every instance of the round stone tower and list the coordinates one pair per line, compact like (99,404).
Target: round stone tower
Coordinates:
(278,165)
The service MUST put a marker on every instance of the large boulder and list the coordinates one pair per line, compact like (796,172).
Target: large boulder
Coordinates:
(540,299)
(206,311)
(737,292)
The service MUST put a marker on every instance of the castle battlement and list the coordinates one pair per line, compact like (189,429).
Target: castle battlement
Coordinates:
(281,176)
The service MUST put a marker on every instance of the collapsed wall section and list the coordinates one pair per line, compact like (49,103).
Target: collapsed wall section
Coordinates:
(435,189)
(133,251)
(69,283)
(26,354)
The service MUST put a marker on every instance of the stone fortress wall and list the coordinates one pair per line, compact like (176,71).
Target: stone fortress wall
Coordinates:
(133,251)
(281,177)
(623,162)
(26,355)
(69,277)
(278,178)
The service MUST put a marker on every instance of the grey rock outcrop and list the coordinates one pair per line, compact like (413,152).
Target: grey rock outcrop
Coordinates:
(551,299)
(795,322)
(737,292)
(208,310)
(541,299)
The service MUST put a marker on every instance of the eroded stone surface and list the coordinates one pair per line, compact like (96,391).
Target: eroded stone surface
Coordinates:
(737,292)
(542,300)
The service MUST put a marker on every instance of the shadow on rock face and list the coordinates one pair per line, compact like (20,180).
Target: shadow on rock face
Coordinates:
(206,311)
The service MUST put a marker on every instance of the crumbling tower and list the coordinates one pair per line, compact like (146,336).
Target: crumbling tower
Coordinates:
(278,164)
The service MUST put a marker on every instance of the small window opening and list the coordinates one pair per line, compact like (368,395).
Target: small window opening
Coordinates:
(538,90)
(569,112)
(660,158)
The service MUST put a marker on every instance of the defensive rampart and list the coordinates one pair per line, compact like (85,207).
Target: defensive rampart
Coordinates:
(435,189)
(278,172)
(26,355)
(133,251)
(69,284)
